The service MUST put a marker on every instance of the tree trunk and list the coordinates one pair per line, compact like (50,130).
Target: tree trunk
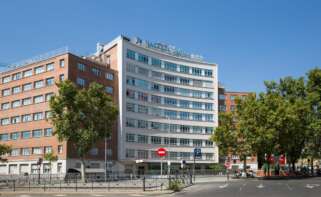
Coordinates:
(312,170)
(244,165)
(83,171)
(293,166)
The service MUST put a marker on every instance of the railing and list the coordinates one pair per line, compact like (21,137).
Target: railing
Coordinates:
(72,182)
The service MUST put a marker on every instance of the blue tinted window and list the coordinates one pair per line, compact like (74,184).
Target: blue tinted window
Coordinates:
(197,71)
(156,62)
(143,58)
(26,134)
(208,73)
(130,54)
(170,66)
(183,69)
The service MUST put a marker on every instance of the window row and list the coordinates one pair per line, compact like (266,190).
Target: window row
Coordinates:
(145,139)
(34,151)
(95,71)
(168,65)
(172,114)
(25,118)
(165,127)
(27,101)
(132,68)
(33,71)
(82,83)
(151,154)
(28,86)
(37,133)
(145,85)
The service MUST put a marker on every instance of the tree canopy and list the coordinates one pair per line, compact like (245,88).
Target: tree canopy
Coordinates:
(82,116)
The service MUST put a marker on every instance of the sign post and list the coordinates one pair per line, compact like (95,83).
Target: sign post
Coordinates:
(161,152)
(197,153)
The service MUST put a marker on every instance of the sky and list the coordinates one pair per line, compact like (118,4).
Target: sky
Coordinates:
(251,41)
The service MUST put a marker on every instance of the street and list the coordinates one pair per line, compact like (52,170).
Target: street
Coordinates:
(241,188)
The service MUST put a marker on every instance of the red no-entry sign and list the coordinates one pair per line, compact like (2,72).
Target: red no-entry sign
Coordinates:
(161,152)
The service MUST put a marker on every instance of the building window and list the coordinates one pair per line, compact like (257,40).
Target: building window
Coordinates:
(61,77)
(16,76)
(46,168)
(48,149)
(170,114)
(5,121)
(27,73)
(39,69)
(232,97)
(209,117)
(184,142)
(130,137)
(130,94)
(27,101)
(142,124)
(62,63)
(209,106)
(170,101)
(156,62)
(142,96)
(5,106)
(38,99)
(142,109)
(130,54)
(197,116)
(6,79)
(59,167)
(6,92)
(109,76)
(36,133)
(39,84)
(169,89)
(184,129)
(197,105)
(81,82)
(109,89)
(184,81)
(196,71)
(27,86)
(156,99)
(81,67)
(130,107)
(16,103)
(48,132)
(130,122)
(184,69)
(49,95)
(50,67)
(143,139)
(156,140)
(130,153)
(208,73)
(4,137)
(36,150)
(197,143)
(15,136)
(38,116)
(155,125)
(184,103)
(26,134)
(15,152)
(26,118)
(15,119)
(184,115)
(50,81)
(173,141)
(59,149)
(170,66)
(142,154)
(209,130)
(96,71)
(143,58)
(26,151)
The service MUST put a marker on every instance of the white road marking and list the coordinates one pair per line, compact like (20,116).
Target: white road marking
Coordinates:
(223,186)
(136,195)
(24,195)
(60,195)
(290,188)
(311,186)
(97,195)
(260,186)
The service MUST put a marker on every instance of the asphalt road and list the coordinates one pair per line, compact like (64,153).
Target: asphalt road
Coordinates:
(242,188)
(256,188)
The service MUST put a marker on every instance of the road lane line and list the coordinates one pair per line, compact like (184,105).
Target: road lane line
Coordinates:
(60,195)
(260,186)
(290,188)
(223,186)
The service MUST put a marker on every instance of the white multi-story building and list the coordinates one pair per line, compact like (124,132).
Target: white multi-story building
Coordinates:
(167,98)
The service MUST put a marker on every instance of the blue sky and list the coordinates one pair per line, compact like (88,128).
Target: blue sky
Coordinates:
(250,40)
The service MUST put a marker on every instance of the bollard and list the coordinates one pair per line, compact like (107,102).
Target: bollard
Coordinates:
(144,189)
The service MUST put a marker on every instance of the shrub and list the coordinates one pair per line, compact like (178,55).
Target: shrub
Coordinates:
(175,185)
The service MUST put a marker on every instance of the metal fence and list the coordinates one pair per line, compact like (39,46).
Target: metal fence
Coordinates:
(72,182)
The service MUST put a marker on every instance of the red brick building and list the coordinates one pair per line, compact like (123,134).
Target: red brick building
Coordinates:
(226,100)
(24,111)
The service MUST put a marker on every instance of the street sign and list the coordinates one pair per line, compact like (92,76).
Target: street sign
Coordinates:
(161,152)
(197,152)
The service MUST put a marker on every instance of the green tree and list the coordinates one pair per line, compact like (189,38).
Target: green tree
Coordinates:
(313,144)
(51,157)
(4,149)
(82,116)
